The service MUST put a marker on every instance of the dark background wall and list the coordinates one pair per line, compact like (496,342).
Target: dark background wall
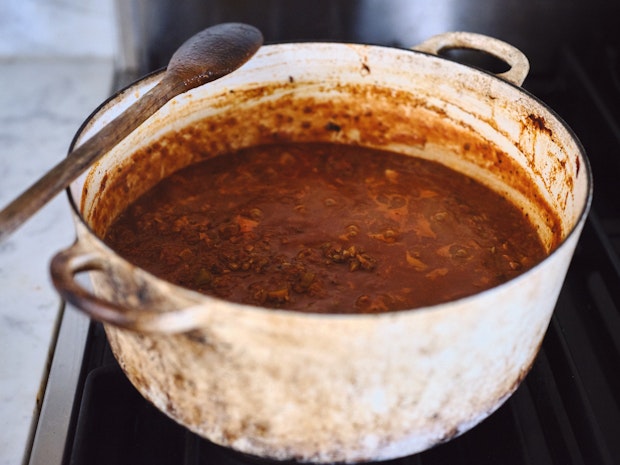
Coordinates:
(155,28)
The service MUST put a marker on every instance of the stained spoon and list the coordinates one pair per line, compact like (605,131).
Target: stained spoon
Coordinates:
(205,57)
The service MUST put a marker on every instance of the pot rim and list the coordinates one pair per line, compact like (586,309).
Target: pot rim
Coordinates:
(575,229)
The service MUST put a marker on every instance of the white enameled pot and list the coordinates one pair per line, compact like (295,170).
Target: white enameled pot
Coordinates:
(334,388)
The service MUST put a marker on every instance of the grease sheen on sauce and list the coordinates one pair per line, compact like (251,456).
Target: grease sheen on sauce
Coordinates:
(326,228)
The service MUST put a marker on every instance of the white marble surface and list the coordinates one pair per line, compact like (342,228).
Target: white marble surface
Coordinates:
(68,28)
(42,104)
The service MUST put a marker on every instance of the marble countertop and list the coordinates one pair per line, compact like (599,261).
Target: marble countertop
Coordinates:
(42,104)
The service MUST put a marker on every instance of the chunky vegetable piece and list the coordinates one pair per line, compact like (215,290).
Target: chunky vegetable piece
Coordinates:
(326,228)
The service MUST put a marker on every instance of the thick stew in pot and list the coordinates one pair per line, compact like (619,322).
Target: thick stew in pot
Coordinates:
(323,227)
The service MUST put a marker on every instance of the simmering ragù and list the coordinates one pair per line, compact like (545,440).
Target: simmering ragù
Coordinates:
(326,228)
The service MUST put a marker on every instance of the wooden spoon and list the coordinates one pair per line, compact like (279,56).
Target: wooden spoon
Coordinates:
(207,56)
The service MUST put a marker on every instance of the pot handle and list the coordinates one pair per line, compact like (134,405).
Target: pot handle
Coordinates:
(512,56)
(138,316)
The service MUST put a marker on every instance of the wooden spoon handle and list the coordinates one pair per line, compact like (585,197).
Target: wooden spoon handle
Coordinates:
(59,177)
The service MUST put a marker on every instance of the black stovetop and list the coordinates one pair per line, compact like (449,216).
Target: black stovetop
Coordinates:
(567,410)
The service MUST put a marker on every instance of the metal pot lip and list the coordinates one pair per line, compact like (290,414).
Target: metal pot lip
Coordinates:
(155,75)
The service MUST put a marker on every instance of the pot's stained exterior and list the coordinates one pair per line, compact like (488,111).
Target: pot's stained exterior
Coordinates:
(333,388)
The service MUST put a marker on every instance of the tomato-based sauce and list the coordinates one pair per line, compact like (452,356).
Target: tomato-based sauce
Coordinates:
(326,228)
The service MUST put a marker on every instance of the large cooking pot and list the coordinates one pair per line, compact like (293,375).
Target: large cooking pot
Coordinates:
(316,387)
